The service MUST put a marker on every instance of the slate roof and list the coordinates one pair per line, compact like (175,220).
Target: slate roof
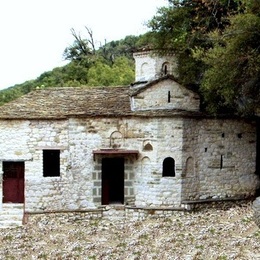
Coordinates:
(61,103)
(66,102)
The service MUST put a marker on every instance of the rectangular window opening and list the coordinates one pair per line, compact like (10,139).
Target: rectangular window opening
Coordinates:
(51,163)
(169,96)
(221,161)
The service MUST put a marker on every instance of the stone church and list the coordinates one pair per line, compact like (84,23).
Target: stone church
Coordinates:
(146,145)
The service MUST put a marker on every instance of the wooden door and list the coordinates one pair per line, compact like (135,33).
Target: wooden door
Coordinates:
(13,182)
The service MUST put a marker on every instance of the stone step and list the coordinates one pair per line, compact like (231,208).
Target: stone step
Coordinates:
(11,212)
(11,215)
(12,205)
(10,223)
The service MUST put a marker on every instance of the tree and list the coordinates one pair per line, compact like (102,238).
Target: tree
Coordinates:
(121,48)
(232,80)
(184,26)
(217,46)
(82,50)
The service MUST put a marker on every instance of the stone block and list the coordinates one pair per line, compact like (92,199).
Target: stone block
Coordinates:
(97,183)
(97,200)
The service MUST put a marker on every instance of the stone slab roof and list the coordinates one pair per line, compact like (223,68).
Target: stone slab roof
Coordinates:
(61,103)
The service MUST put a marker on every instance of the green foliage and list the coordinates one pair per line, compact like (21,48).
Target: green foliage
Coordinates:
(217,44)
(184,26)
(120,48)
(99,74)
(123,71)
(217,47)
(232,81)
(14,92)
(120,73)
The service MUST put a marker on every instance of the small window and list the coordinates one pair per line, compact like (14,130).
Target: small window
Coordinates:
(165,68)
(239,135)
(168,167)
(221,161)
(169,96)
(51,163)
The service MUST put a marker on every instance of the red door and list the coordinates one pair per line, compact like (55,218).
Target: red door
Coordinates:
(13,182)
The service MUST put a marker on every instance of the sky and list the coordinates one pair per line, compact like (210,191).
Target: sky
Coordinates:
(35,33)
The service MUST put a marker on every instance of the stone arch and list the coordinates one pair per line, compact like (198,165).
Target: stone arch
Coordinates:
(144,68)
(147,146)
(189,168)
(166,68)
(146,165)
(116,140)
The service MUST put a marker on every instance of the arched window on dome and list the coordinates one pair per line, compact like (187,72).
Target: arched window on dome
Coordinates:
(144,68)
(165,68)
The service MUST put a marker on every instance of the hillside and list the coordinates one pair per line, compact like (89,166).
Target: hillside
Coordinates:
(223,231)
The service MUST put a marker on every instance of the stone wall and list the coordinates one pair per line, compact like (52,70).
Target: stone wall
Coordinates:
(166,94)
(14,140)
(213,159)
(151,189)
(149,66)
(222,159)
(47,193)
(79,183)
(144,184)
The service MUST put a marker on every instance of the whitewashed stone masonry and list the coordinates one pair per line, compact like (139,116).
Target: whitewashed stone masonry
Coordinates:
(213,158)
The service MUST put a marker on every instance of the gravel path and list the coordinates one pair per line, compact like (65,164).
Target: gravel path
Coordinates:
(225,232)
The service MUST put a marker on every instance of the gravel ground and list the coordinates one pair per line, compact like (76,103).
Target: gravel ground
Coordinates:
(222,232)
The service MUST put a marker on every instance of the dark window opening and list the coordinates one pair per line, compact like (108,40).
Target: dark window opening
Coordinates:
(221,161)
(206,149)
(239,135)
(51,163)
(168,167)
(169,96)
(165,70)
(223,135)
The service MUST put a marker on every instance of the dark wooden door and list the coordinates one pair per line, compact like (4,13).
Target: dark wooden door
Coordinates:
(13,182)
(112,180)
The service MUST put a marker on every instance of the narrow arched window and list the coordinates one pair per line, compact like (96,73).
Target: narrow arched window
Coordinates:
(168,167)
(165,68)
